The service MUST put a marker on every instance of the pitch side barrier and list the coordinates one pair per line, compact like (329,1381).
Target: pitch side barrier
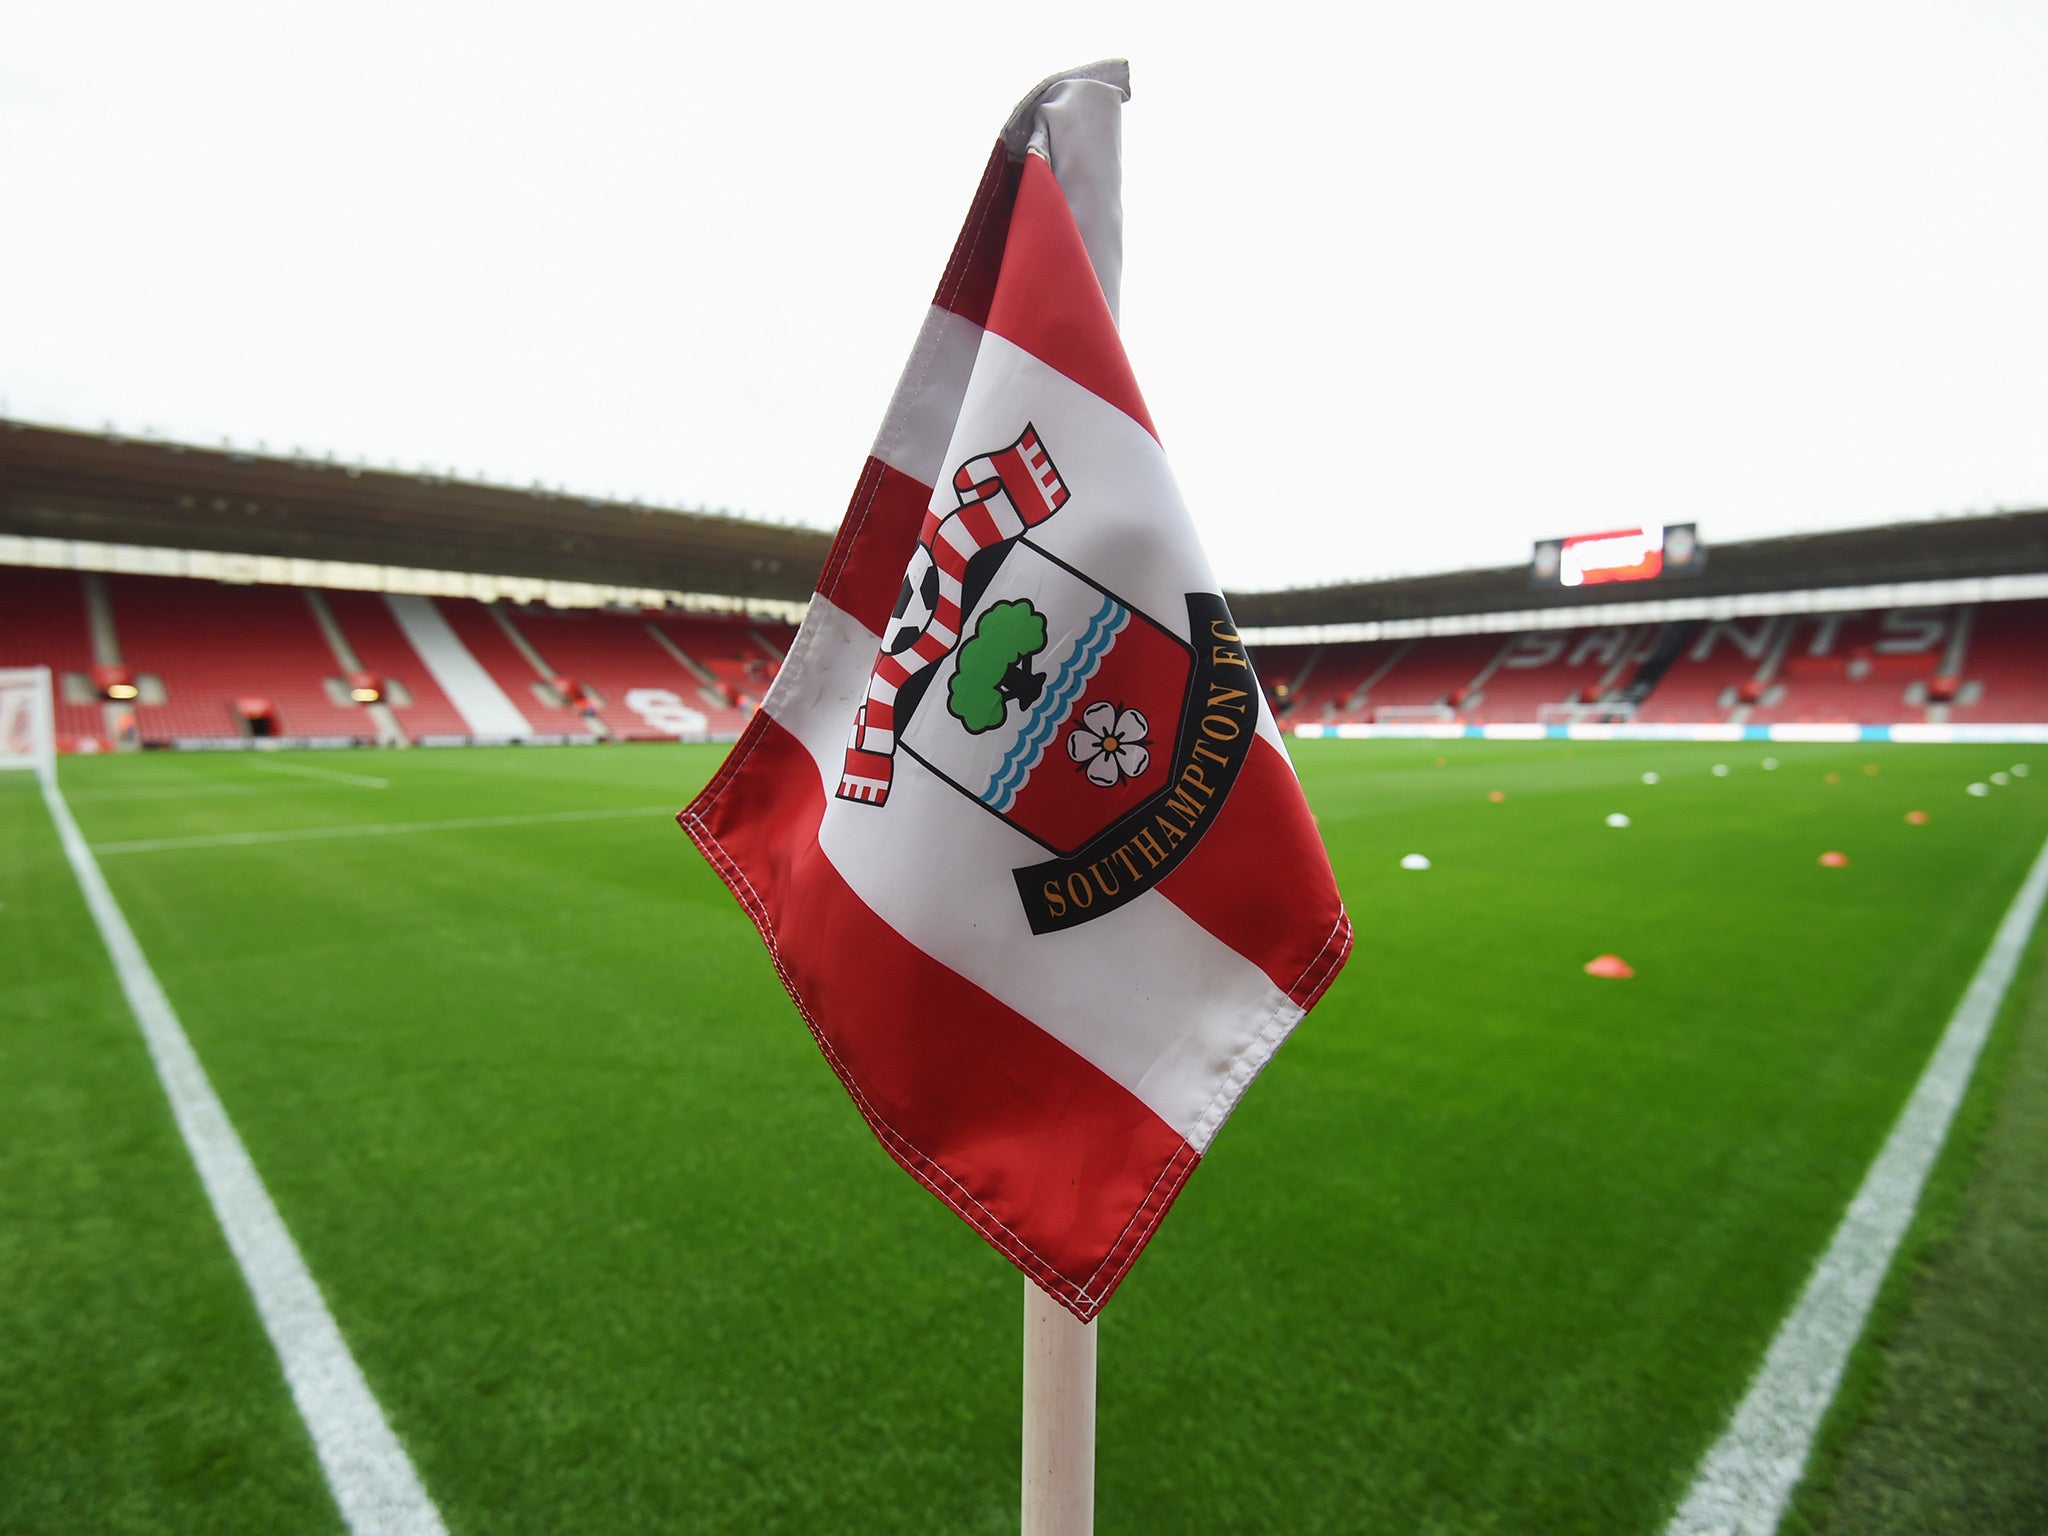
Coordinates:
(1451,731)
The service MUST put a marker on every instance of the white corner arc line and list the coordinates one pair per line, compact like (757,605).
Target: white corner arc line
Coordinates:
(376,829)
(373,1482)
(335,775)
(1747,1478)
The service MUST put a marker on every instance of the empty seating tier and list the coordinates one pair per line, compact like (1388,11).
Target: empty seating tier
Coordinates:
(43,623)
(2006,664)
(215,645)
(654,675)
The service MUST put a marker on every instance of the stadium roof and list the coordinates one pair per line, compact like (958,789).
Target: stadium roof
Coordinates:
(106,488)
(1944,549)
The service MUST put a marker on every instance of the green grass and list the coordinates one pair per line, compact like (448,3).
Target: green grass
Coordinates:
(1493,1246)
(137,1390)
(1942,1430)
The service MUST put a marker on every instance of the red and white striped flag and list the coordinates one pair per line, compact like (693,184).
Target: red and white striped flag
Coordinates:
(1014,820)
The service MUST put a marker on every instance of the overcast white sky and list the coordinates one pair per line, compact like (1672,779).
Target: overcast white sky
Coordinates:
(1406,286)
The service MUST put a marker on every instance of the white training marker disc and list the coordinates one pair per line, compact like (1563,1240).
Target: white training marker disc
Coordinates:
(1980,789)
(2001,778)
(1720,770)
(1770,763)
(2019,770)
(1649,778)
(1617,819)
(1414,861)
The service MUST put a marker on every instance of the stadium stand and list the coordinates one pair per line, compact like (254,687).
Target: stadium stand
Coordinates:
(732,660)
(655,675)
(2005,675)
(485,636)
(1437,671)
(1873,668)
(1556,667)
(638,682)
(43,623)
(365,619)
(1704,681)
(1969,662)
(1283,671)
(1335,687)
(215,644)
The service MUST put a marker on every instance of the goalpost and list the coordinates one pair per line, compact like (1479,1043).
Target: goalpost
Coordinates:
(28,732)
(1615,712)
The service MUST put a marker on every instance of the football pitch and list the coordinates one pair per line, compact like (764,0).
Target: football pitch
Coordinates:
(1493,1246)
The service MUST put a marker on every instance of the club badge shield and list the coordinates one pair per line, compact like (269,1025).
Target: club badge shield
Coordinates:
(1052,702)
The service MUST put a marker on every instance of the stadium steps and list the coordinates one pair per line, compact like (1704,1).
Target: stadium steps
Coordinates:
(1670,645)
(371,628)
(106,652)
(1361,697)
(1283,672)
(683,657)
(1298,683)
(389,732)
(1425,676)
(1308,666)
(1761,681)
(476,627)
(638,682)
(707,684)
(1955,657)
(730,655)
(591,717)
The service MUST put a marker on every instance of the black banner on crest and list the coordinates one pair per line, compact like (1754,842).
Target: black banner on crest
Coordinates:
(1133,854)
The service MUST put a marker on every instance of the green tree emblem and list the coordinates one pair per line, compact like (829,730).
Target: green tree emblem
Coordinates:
(992,667)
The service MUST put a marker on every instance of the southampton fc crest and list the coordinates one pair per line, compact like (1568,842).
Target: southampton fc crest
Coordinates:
(1049,700)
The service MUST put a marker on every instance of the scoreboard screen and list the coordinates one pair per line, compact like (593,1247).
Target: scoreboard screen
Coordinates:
(1623,554)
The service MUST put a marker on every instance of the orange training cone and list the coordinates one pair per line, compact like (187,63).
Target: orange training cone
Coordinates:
(1916,818)
(1835,859)
(1612,966)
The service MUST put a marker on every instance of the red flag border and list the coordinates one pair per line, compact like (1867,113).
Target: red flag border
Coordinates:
(1084,1299)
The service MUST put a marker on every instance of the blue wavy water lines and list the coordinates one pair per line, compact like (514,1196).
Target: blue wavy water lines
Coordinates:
(1054,704)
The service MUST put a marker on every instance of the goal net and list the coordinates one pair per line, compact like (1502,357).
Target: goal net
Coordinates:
(27,733)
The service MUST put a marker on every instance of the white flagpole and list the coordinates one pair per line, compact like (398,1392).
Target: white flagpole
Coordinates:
(1059,1419)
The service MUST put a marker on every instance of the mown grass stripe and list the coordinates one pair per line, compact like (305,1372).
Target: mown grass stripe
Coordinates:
(373,1481)
(332,775)
(1748,1476)
(375,829)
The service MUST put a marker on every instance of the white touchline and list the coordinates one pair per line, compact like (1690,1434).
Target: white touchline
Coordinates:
(377,829)
(361,780)
(373,1482)
(1747,1477)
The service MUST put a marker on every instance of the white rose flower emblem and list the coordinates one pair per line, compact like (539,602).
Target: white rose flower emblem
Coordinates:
(1111,743)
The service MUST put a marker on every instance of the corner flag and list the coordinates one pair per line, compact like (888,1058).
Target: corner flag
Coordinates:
(1014,821)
